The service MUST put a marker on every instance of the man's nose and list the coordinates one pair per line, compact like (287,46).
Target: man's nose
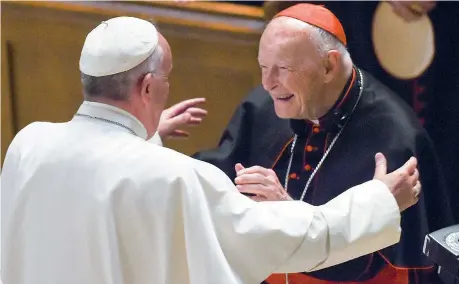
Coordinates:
(269,80)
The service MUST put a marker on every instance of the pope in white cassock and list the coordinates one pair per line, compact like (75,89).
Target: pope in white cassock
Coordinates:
(96,201)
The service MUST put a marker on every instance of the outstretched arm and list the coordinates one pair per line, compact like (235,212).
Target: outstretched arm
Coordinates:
(184,113)
(258,238)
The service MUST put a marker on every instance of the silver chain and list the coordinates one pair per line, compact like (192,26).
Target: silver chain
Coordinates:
(108,121)
(323,157)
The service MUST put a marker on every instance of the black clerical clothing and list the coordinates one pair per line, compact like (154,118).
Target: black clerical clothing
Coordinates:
(371,119)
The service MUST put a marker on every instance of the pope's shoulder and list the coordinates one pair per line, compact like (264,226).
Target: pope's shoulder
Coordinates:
(34,127)
(160,166)
(33,130)
(132,155)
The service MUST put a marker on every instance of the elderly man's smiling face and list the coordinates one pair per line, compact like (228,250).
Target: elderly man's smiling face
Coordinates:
(292,68)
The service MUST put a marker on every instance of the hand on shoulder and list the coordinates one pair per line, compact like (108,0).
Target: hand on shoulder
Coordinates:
(403,183)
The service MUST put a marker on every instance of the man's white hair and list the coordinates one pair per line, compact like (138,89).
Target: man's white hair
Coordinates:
(326,41)
(119,86)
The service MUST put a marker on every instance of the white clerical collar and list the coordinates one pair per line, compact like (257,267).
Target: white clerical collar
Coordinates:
(115,115)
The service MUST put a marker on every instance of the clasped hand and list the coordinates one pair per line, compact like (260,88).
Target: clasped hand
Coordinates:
(261,182)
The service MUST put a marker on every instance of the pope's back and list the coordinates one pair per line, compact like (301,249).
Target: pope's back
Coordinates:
(73,198)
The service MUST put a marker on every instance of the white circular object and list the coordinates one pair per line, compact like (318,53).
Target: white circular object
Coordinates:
(404,49)
(452,240)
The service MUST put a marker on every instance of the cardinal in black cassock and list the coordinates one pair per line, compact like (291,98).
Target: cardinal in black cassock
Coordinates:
(433,95)
(318,160)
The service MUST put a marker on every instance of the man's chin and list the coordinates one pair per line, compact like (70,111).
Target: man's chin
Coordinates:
(283,115)
(295,117)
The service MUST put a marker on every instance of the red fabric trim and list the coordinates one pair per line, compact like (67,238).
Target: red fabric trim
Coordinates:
(388,275)
(281,152)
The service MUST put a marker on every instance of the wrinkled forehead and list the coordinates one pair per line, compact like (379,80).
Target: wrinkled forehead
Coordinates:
(283,42)
(282,49)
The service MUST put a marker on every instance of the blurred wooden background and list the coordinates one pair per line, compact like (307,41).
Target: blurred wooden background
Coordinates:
(214,46)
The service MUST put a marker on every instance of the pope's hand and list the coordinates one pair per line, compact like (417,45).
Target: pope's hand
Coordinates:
(261,182)
(184,113)
(403,183)
(412,10)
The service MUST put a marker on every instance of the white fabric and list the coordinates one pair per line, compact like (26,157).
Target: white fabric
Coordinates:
(88,202)
(156,139)
(117,45)
(105,111)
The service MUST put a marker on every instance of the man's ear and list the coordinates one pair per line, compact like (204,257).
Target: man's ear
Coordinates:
(146,87)
(331,65)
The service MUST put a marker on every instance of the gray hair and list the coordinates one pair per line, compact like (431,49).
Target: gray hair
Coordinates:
(326,42)
(118,86)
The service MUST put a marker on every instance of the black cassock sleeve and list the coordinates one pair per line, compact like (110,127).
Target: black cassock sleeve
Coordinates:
(431,213)
(232,147)
(235,142)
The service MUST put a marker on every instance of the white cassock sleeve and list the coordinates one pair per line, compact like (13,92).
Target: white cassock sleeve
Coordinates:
(156,139)
(259,238)
(360,221)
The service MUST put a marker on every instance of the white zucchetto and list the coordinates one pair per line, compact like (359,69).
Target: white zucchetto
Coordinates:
(117,45)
